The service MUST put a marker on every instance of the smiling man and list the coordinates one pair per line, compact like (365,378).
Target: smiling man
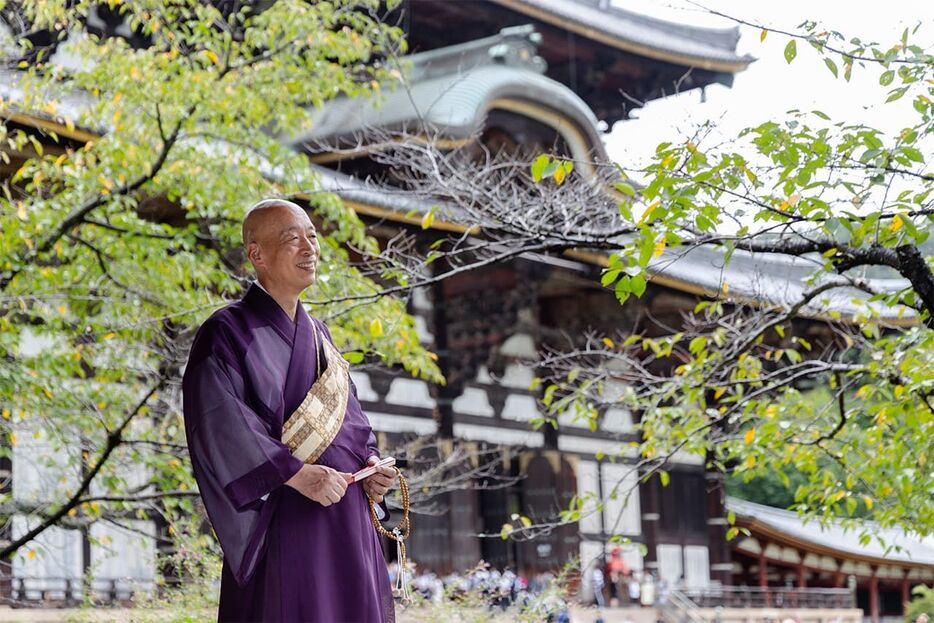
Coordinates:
(297,539)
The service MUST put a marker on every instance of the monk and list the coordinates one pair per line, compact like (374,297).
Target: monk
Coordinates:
(297,538)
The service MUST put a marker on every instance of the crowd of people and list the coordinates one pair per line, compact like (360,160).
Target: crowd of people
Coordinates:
(613,582)
(608,582)
(498,589)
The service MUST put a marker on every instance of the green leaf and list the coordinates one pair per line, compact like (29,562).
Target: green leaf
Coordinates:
(832,66)
(637,284)
(538,167)
(354,356)
(791,51)
(896,94)
(625,188)
(886,78)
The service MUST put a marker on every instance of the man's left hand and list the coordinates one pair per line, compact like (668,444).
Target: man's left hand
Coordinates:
(377,485)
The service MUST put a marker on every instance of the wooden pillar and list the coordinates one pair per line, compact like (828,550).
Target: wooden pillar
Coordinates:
(444,395)
(651,513)
(721,567)
(802,573)
(838,577)
(906,591)
(763,567)
(874,595)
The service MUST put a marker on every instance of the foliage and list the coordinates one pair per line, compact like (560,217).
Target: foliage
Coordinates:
(854,202)
(119,227)
(922,602)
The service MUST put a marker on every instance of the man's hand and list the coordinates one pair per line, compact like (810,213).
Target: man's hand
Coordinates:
(320,483)
(379,483)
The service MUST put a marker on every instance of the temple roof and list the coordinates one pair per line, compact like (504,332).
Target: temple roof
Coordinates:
(834,538)
(450,91)
(681,44)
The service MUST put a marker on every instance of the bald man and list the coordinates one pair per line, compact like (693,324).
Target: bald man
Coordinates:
(294,528)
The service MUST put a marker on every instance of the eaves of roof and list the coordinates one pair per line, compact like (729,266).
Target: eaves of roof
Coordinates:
(690,46)
(787,528)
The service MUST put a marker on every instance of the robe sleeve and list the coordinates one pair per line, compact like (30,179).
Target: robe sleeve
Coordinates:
(234,456)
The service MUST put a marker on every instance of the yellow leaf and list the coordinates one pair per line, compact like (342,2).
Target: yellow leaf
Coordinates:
(37,434)
(21,212)
(750,436)
(648,210)
(868,501)
(794,199)
(13,439)
(609,343)
(433,356)
(660,247)
(428,219)
(110,336)
(72,512)
(134,73)
(896,223)
(376,327)
(559,175)
(725,288)
(720,391)
(763,34)
(31,554)
(750,461)
(47,392)
(96,507)
(669,159)
(899,390)
(212,56)
(62,310)
(6,414)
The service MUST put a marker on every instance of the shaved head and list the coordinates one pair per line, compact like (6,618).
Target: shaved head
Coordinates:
(282,244)
(261,215)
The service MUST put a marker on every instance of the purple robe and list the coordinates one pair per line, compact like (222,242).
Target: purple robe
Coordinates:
(286,558)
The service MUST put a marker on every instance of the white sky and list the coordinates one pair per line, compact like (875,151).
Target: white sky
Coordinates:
(770,86)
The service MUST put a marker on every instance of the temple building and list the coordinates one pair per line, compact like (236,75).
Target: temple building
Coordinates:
(542,75)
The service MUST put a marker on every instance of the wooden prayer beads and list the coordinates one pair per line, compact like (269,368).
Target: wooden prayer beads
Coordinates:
(398,534)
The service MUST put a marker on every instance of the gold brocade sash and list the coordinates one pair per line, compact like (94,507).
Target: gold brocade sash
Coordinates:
(314,425)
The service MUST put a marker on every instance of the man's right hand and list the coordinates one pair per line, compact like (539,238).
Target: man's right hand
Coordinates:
(320,483)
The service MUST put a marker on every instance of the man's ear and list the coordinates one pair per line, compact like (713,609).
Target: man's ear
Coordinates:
(254,254)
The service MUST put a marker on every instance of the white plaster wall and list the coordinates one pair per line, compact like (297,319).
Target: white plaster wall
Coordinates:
(669,562)
(410,393)
(474,401)
(696,566)
(588,481)
(621,515)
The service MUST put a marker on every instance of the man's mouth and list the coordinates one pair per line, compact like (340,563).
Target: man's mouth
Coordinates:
(307,265)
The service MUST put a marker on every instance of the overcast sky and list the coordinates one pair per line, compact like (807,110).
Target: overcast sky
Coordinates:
(770,86)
